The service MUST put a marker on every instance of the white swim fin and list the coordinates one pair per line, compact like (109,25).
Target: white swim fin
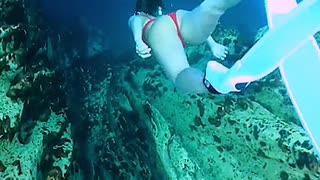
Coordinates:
(300,72)
(277,44)
(288,35)
(289,45)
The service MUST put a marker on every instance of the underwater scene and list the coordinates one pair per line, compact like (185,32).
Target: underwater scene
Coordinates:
(159,90)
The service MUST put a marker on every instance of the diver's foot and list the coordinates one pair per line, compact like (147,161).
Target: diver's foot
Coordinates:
(220,51)
(217,81)
(213,76)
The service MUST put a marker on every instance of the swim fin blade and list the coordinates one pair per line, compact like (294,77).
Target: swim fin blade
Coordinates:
(300,71)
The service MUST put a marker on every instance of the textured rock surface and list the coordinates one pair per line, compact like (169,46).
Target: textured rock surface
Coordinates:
(35,141)
(228,136)
(20,161)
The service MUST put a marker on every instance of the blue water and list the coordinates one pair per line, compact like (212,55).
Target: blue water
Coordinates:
(112,16)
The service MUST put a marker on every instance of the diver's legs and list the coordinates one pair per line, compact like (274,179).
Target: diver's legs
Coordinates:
(169,52)
(166,47)
(197,25)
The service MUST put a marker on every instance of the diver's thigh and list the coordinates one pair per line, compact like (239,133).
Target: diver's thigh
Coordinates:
(172,63)
(168,49)
(196,25)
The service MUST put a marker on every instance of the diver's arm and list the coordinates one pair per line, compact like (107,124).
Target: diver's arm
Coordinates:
(136,24)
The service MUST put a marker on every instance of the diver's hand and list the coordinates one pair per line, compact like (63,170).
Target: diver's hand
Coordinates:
(219,51)
(143,50)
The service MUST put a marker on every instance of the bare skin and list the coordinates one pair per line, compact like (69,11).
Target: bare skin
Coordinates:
(195,26)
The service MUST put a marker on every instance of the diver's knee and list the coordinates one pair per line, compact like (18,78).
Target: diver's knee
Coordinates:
(189,81)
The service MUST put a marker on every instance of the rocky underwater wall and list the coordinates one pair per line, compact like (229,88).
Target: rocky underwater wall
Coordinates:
(35,136)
